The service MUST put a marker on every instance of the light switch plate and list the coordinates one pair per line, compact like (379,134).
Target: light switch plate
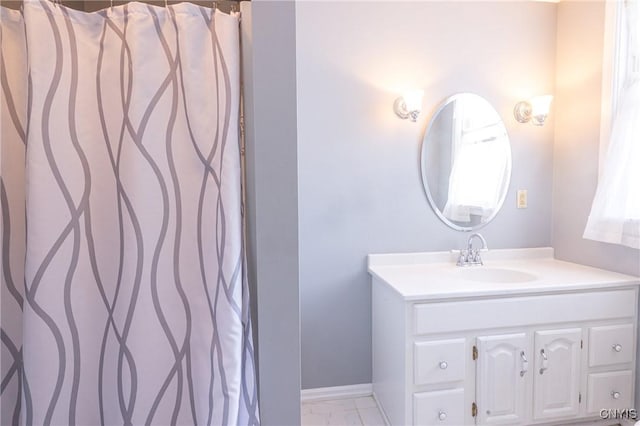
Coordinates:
(521,200)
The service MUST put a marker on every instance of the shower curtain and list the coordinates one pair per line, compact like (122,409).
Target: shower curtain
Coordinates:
(124,298)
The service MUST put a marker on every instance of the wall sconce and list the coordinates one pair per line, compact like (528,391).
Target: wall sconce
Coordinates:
(409,105)
(535,110)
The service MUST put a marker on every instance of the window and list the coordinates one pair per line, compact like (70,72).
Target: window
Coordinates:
(615,212)
(479,166)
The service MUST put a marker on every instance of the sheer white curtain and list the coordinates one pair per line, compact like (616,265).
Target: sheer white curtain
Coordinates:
(615,212)
(128,305)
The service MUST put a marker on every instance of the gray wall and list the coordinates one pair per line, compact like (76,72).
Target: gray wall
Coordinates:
(359,185)
(577,138)
(268,37)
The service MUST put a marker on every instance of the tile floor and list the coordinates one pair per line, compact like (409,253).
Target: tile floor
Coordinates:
(364,412)
(342,412)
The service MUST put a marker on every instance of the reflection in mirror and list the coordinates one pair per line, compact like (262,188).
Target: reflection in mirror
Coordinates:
(466,162)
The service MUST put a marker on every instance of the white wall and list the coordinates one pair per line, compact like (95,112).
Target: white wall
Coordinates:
(359,185)
(577,138)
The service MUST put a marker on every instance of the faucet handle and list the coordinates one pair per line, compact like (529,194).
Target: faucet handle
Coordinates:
(474,256)
(463,257)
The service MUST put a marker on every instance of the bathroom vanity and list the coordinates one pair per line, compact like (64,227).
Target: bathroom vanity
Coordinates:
(522,339)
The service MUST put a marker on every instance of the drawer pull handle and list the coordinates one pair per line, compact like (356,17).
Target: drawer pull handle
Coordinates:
(525,364)
(443,365)
(442,416)
(617,347)
(615,395)
(545,361)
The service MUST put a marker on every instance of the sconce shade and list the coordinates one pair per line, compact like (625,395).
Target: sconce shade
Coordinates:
(409,105)
(535,110)
(540,105)
(413,100)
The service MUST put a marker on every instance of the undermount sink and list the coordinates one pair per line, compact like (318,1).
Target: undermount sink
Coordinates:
(496,275)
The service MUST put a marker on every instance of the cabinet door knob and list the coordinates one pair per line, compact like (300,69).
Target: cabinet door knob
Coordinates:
(617,347)
(615,395)
(442,416)
(443,365)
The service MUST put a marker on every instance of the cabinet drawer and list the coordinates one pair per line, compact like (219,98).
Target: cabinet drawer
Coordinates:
(439,361)
(443,317)
(444,407)
(610,345)
(609,390)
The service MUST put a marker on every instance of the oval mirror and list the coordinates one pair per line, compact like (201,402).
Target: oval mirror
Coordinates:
(466,162)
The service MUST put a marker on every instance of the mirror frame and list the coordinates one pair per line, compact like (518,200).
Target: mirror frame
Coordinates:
(423,174)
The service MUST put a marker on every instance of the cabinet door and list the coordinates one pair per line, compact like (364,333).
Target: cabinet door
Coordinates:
(556,381)
(501,378)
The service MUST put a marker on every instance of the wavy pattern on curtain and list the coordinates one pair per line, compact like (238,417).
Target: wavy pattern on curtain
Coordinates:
(124,297)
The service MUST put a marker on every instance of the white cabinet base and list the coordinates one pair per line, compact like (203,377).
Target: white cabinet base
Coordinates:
(504,360)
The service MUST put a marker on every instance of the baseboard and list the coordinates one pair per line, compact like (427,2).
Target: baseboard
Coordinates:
(336,392)
(384,415)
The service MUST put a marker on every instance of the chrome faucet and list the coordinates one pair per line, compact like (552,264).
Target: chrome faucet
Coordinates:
(471,256)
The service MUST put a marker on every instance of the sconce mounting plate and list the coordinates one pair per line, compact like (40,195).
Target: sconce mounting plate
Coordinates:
(400,108)
(522,112)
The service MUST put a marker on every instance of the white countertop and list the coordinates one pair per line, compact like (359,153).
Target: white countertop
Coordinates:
(434,275)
